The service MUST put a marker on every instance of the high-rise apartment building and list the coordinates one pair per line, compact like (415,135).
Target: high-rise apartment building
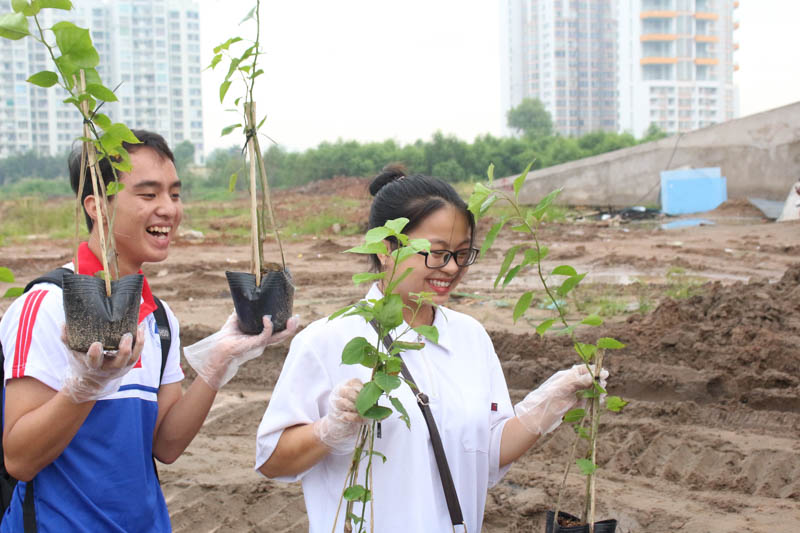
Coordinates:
(149,51)
(676,59)
(565,54)
(621,65)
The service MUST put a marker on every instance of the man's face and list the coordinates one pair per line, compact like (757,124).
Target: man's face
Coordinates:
(149,210)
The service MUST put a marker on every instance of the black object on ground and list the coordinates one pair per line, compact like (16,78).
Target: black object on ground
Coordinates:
(604,526)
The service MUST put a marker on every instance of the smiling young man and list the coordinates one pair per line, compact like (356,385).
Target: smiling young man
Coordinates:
(81,430)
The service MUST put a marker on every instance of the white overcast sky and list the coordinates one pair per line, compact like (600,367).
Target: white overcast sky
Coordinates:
(371,70)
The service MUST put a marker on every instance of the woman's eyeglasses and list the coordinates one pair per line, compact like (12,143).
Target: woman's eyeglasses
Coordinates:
(440,258)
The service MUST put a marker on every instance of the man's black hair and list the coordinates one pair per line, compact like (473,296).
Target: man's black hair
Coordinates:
(148,139)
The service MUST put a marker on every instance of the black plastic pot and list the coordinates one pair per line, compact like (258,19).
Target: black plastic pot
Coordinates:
(604,526)
(274,297)
(93,316)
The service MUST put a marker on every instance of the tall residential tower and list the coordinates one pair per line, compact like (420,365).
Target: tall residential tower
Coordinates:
(620,65)
(149,48)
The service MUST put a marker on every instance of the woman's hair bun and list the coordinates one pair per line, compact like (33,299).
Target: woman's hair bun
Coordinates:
(390,173)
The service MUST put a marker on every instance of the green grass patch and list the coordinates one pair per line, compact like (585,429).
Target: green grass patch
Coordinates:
(27,216)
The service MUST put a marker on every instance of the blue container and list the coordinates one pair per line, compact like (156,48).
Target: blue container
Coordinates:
(695,190)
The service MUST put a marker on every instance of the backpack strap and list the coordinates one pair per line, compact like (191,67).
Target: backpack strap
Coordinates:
(164,332)
(56,277)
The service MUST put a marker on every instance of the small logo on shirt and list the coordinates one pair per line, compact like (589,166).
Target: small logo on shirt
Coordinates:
(494,406)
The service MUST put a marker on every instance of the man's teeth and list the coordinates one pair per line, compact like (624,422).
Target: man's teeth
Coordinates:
(437,283)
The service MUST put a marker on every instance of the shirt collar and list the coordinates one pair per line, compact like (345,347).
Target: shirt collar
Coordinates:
(89,265)
(439,320)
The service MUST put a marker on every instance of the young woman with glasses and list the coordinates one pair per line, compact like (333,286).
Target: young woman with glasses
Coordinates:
(310,427)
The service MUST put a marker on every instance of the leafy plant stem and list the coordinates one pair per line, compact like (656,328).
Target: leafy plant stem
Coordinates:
(97,191)
(570,461)
(595,417)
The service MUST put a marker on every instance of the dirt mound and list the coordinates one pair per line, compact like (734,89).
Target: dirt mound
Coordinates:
(737,207)
(347,186)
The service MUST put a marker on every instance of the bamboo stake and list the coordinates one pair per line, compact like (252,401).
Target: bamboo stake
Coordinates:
(96,190)
(595,427)
(254,233)
(79,208)
(265,187)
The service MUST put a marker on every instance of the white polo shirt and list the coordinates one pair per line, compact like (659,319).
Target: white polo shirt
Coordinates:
(469,400)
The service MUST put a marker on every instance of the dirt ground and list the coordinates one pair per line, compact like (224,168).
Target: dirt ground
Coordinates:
(707,444)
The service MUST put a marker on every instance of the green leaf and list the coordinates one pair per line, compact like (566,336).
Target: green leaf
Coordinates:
(520,180)
(586,466)
(122,161)
(226,44)
(227,129)
(569,284)
(13,26)
(386,381)
(261,123)
(393,365)
(232,181)
(396,225)
(607,343)
(20,6)
(506,262)
(592,320)
(355,493)
(490,172)
(401,346)
(367,397)
(542,328)
(540,209)
(214,61)
(13,292)
(511,275)
(401,254)
(564,270)
(478,197)
(389,311)
(256,74)
(532,255)
(522,305)
(114,187)
(565,331)
(101,92)
(248,16)
(492,235)
(122,132)
(615,403)
(76,44)
(419,245)
(66,5)
(44,78)
(102,120)
(395,282)
(585,351)
(377,234)
(367,276)
(377,412)
(223,88)
(371,248)
(574,415)
(6,276)
(583,433)
(429,332)
(400,408)
(340,312)
(353,352)
(489,202)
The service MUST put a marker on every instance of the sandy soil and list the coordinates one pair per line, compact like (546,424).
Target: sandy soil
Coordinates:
(708,443)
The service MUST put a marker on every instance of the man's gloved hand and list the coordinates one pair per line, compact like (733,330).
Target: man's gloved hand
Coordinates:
(541,410)
(217,358)
(95,374)
(338,430)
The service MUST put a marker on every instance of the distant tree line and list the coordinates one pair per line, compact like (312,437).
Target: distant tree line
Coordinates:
(444,156)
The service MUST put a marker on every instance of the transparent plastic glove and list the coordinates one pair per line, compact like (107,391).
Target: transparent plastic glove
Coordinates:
(95,374)
(541,410)
(217,358)
(338,430)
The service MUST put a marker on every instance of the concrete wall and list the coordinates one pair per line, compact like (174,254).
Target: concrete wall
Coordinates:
(758,154)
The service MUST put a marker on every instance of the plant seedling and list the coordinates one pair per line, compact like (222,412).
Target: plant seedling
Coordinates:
(558,284)
(384,364)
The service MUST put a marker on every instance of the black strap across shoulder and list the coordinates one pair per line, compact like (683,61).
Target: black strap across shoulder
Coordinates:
(7,483)
(450,495)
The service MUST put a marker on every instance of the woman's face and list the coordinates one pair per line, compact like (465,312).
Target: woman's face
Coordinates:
(446,229)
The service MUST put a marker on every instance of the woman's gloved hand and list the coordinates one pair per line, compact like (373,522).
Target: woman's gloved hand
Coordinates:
(541,410)
(96,373)
(217,358)
(338,430)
